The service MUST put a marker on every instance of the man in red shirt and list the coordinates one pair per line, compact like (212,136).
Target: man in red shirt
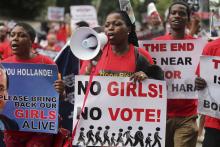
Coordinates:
(212,125)
(5,49)
(181,129)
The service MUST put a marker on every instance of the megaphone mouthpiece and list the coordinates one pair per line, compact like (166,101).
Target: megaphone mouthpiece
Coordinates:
(91,42)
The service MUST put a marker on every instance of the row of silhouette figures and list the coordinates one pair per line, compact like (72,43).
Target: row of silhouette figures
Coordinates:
(122,139)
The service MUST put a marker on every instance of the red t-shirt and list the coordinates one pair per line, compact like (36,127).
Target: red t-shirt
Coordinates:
(180,107)
(5,49)
(62,34)
(38,59)
(55,48)
(211,49)
(111,64)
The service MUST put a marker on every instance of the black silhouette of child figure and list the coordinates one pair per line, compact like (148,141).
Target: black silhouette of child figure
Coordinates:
(81,137)
(128,136)
(148,140)
(157,138)
(113,140)
(120,138)
(105,134)
(90,135)
(139,137)
(97,136)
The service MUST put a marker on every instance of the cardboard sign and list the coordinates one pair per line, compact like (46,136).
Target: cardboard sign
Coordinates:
(209,102)
(119,112)
(85,13)
(179,59)
(55,13)
(48,53)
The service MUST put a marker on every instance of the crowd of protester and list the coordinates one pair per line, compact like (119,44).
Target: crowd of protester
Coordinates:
(182,129)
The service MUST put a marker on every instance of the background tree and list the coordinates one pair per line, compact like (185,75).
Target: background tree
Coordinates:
(32,9)
(67,3)
(21,9)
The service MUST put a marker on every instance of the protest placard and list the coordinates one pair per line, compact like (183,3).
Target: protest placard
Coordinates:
(55,13)
(85,13)
(209,102)
(179,59)
(214,13)
(32,102)
(50,53)
(119,112)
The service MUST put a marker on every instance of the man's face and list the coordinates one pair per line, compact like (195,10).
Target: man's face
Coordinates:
(3,89)
(178,17)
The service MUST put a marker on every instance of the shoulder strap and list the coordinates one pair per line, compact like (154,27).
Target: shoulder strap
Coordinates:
(142,64)
(136,53)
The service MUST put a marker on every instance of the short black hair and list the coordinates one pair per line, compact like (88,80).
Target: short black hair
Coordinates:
(181,3)
(82,24)
(28,28)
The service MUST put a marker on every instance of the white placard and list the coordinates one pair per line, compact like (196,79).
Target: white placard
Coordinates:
(209,102)
(48,53)
(83,13)
(116,109)
(179,60)
(55,13)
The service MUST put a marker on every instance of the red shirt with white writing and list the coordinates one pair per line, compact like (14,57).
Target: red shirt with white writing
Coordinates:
(180,107)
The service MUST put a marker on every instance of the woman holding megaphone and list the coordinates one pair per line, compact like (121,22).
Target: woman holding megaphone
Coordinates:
(121,56)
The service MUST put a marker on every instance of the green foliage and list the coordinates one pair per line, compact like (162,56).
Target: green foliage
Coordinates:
(138,6)
(68,3)
(162,5)
(21,9)
(105,8)
(29,9)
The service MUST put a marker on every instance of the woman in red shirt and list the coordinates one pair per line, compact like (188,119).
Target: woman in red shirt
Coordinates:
(118,57)
(21,38)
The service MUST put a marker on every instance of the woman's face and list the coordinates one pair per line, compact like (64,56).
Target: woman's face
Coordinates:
(20,41)
(116,29)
